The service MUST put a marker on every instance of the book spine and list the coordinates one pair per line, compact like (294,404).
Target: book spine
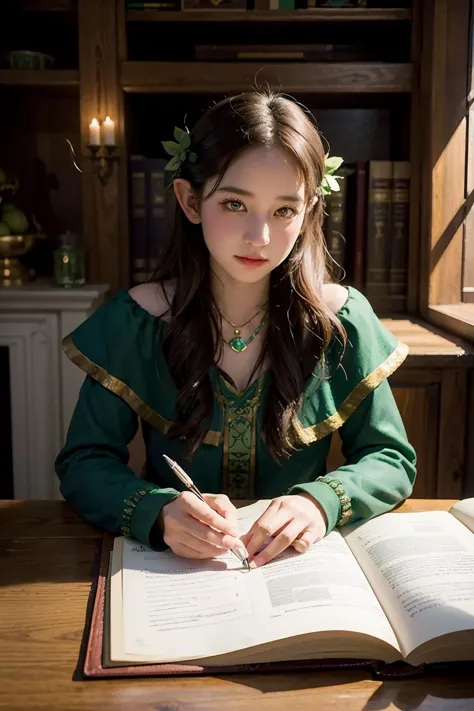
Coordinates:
(360,223)
(156,197)
(399,227)
(336,3)
(336,226)
(378,227)
(139,219)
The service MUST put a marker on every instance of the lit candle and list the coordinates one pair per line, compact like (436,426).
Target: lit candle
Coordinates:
(109,132)
(94,133)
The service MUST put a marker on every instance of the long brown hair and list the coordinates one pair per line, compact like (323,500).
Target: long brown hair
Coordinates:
(300,325)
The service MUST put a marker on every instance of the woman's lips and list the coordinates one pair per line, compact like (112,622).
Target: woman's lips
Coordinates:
(251,261)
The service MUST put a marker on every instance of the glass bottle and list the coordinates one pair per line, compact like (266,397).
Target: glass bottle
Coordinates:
(69,269)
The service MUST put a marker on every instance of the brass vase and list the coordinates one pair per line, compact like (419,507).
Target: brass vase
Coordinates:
(12,271)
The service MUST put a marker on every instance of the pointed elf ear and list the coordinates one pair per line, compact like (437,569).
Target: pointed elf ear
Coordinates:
(187,199)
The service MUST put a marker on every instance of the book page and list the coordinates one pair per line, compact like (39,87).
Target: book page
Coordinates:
(421,567)
(182,609)
(464,511)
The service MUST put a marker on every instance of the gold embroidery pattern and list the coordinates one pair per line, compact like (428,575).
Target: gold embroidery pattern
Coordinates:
(345,501)
(303,435)
(240,443)
(307,435)
(123,391)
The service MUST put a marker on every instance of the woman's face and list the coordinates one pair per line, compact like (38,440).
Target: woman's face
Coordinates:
(252,221)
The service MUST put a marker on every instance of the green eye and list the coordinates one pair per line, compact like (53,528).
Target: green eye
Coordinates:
(289,212)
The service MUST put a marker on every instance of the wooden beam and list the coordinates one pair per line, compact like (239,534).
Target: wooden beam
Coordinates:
(444,95)
(452,429)
(105,233)
(204,77)
(416,128)
(320,14)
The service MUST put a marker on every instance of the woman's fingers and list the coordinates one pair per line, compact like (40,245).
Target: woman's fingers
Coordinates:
(205,549)
(204,511)
(202,532)
(304,540)
(271,521)
(224,506)
(281,542)
(185,551)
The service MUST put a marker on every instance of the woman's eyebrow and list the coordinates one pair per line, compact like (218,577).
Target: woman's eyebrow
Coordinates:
(246,193)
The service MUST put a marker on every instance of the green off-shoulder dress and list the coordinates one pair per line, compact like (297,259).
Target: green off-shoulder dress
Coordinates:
(119,347)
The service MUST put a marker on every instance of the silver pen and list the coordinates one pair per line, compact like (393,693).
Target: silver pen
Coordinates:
(188,482)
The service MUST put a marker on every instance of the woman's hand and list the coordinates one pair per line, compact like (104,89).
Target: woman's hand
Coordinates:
(297,520)
(194,529)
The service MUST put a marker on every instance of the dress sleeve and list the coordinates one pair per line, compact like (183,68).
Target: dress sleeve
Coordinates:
(92,466)
(380,467)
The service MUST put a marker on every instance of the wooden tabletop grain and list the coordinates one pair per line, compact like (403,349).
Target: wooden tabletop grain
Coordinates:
(47,559)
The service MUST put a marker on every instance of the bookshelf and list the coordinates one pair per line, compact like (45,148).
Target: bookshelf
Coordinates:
(40,77)
(404,102)
(207,77)
(319,14)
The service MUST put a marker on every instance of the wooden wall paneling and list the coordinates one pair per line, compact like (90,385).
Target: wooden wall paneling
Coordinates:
(443,93)
(468,487)
(452,433)
(416,126)
(416,393)
(124,223)
(122,48)
(105,230)
(33,147)
(468,259)
(419,408)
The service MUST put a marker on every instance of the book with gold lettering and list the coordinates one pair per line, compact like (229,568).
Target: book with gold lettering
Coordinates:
(395,593)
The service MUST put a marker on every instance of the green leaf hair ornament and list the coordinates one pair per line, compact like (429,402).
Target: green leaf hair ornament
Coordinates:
(179,151)
(329,183)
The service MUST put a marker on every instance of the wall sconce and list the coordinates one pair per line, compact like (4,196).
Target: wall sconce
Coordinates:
(102,148)
(103,152)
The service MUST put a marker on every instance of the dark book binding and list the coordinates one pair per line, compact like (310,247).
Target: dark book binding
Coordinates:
(400,221)
(379,204)
(139,219)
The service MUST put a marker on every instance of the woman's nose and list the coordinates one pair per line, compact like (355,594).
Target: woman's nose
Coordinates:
(258,234)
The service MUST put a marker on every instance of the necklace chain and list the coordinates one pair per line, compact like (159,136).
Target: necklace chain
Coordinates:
(237,328)
(237,343)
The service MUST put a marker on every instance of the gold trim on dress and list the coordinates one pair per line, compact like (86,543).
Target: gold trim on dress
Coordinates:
(307,435)
(123,391)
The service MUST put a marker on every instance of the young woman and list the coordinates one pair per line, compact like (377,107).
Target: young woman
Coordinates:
(239,359)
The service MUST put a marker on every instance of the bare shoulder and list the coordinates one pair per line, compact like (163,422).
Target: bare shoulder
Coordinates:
(335,296)
(153,297)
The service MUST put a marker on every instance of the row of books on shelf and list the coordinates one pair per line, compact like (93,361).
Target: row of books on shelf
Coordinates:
(261,4)
(366,224)
(366,227)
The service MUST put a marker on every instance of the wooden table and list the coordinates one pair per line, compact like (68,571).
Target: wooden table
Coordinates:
(46,569)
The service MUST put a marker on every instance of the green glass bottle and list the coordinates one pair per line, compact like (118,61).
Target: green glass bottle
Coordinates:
(69,267)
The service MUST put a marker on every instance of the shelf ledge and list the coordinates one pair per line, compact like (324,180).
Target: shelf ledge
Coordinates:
(209,77)
(456,318)
(39,77)
(320,14)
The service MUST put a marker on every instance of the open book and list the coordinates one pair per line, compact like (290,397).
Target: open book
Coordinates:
(397,587)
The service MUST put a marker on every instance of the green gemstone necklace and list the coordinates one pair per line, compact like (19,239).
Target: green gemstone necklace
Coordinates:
(237,343)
